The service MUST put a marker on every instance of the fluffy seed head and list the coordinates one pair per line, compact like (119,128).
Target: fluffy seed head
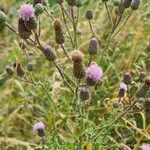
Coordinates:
(89,14)
(93,74)
(26,11)
(77,57)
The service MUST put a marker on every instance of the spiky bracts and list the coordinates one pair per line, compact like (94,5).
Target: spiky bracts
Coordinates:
(59,35)
(78,68)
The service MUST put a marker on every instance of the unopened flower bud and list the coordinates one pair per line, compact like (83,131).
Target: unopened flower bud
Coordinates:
(141,93)
(141,76)
(147,104)
(126,3)
(9,70)
(49,53)
(78,70)
(39,1)
(39,9)
(116,2)
(59,35)
(30,66)
(71,2)
(127,78)
(93,46)
(135,4)
(19,70)
(77,57)
(89,14)
(59,1)
(84,93)
(78,3)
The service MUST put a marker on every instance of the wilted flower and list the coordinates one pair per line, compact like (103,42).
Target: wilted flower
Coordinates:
(145,146)
(26,12)
(39,127)
(93,73)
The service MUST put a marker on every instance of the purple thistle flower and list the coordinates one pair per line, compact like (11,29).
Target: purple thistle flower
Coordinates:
(93,73)
(39,127)
(123,86)
(145,146)
(26,12)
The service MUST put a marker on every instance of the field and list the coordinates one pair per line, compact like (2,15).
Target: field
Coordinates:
(74,77)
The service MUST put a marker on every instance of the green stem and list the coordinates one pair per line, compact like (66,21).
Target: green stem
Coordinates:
(74,27)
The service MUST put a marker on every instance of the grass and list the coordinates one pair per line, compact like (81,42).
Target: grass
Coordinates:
(23,104)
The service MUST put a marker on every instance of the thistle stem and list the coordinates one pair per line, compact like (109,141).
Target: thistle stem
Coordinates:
(91,28)
(65,52)
(74,27)
(63,15)
(123,24)
(109,16)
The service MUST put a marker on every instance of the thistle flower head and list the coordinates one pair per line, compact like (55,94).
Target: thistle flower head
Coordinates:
(38,126)
(93,73)
(145,146)
(26,12)
(123,86)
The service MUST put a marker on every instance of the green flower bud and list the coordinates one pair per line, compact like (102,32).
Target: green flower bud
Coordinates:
(39,9)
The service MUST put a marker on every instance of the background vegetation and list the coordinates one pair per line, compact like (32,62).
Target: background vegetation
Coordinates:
(22,104)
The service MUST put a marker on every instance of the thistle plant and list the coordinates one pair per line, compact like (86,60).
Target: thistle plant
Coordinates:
(82,72)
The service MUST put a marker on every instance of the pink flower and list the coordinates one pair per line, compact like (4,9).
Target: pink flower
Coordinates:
(145,146)
(123,86)
(39,126)
(26,12)
(94,72)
